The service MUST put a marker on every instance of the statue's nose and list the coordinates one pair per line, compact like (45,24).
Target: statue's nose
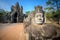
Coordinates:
(39,18)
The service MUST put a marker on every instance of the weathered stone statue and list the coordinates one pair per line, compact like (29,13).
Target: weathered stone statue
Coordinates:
(36,29)
(32,18)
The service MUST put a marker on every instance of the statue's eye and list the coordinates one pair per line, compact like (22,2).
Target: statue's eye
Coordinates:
(41,15)
(37,16)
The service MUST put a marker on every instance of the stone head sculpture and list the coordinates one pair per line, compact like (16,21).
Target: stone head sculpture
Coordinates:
(39,15)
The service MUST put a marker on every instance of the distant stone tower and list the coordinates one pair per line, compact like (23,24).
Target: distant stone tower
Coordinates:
(38,9)
(16,13)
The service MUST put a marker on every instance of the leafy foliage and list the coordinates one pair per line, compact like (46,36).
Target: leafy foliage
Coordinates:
(27,12)
(2,12)
(55,5)
(50,15)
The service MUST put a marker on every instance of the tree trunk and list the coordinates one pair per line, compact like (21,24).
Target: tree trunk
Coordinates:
(58,12)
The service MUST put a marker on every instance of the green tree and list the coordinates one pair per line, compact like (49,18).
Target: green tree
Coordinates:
(54,4)
(2,12)
(28,12)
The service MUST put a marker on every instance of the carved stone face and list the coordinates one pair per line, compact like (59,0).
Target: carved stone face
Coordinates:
(39,18)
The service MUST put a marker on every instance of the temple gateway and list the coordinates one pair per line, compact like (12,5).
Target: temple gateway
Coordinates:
(16,14)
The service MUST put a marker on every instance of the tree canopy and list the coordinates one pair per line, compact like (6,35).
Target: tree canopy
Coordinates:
(53,7)
(2,12)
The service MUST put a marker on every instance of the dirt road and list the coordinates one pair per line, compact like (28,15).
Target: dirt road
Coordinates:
(14,31)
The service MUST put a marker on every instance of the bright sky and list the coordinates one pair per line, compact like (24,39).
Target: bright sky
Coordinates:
(28,5)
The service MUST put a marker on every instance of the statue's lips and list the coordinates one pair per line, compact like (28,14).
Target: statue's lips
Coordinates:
(39,21)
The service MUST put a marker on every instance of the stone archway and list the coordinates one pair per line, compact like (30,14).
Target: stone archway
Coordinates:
(15,17)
